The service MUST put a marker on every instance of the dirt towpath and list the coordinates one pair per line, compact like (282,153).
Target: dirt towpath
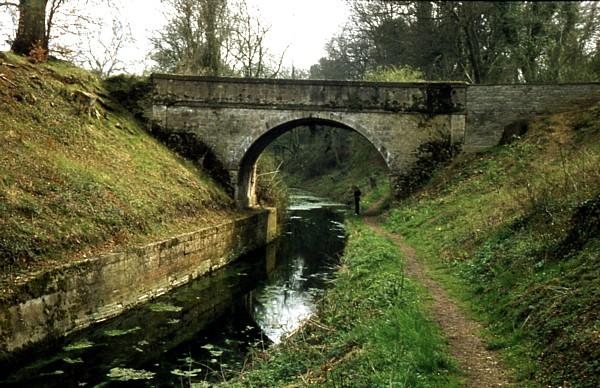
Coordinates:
(482,367)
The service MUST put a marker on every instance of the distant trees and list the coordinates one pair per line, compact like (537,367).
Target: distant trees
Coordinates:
(481,42)
(191,41)
(214,37)
(103,56)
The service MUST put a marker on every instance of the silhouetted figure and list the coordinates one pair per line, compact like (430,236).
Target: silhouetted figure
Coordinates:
(357,194)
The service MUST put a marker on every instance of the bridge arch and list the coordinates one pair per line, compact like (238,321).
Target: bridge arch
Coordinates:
(246,172)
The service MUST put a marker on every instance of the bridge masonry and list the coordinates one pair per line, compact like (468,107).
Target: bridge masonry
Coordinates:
(238,118)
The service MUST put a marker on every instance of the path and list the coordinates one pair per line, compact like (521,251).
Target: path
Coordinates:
(481,367)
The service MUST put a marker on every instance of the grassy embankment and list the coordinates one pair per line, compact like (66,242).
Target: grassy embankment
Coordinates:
(78,178)
(515,234)
(371,330)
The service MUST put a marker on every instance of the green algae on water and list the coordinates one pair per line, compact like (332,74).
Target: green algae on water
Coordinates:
(127,374)
(118,333)
(83,344)
(164,308)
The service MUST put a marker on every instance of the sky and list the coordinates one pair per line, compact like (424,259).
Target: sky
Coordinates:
(300,27)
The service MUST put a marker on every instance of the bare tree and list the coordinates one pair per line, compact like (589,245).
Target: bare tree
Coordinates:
(103,55)
(247,45)
(246,48)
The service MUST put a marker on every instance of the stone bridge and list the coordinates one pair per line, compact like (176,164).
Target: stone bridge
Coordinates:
(237,118)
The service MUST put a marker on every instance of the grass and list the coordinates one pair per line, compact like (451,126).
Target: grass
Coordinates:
(515,234)
(371,330)
(79,177)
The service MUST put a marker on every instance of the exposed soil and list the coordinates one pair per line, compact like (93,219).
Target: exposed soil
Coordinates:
(481,367)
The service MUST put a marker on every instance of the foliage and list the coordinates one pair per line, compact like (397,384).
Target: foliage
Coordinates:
(129,91)
(191,41)
(328,161)
(480,42)
(394,74)
(78,175)
(371,330)
(270,188)
(518,229)
(214,37)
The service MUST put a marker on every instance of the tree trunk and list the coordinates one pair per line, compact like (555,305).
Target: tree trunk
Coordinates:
(31,32)
(211,58)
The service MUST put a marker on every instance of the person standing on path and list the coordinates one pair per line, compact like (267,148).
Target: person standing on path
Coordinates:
(357,194)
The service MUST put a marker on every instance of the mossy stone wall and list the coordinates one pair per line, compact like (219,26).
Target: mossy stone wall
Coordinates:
(57,302)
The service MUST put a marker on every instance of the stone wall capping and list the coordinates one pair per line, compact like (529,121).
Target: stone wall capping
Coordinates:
(171,78)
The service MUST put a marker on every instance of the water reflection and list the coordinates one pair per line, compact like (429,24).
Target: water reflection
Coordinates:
(202,331)
(307,259)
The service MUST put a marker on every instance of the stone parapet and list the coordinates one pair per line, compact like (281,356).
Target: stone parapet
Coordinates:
(419,97)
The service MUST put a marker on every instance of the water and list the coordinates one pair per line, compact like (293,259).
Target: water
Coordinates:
(203,331)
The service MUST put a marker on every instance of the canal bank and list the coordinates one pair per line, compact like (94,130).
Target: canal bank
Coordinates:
(53,303)
(371,329)
(202,332)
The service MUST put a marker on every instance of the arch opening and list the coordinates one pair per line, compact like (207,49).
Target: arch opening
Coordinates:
(246,174)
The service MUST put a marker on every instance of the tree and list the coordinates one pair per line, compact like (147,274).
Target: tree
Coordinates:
(480,42)
(191,41)
(31,30)
(40,22)
(214,37)
(102,57)
(245,49)
(348,57)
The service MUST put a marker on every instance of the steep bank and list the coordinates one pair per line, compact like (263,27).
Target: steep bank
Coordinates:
(515,234)
(80,176)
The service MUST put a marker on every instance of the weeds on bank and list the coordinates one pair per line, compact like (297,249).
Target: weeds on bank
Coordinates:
(76,180)
(370,330)
(520,228)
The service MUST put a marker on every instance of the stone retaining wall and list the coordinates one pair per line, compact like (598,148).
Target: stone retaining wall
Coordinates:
(60,301)
(491,108)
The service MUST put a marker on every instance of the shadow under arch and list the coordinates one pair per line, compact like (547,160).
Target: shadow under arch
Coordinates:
(244,191)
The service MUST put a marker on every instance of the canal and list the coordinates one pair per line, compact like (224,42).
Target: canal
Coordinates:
(201,332)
